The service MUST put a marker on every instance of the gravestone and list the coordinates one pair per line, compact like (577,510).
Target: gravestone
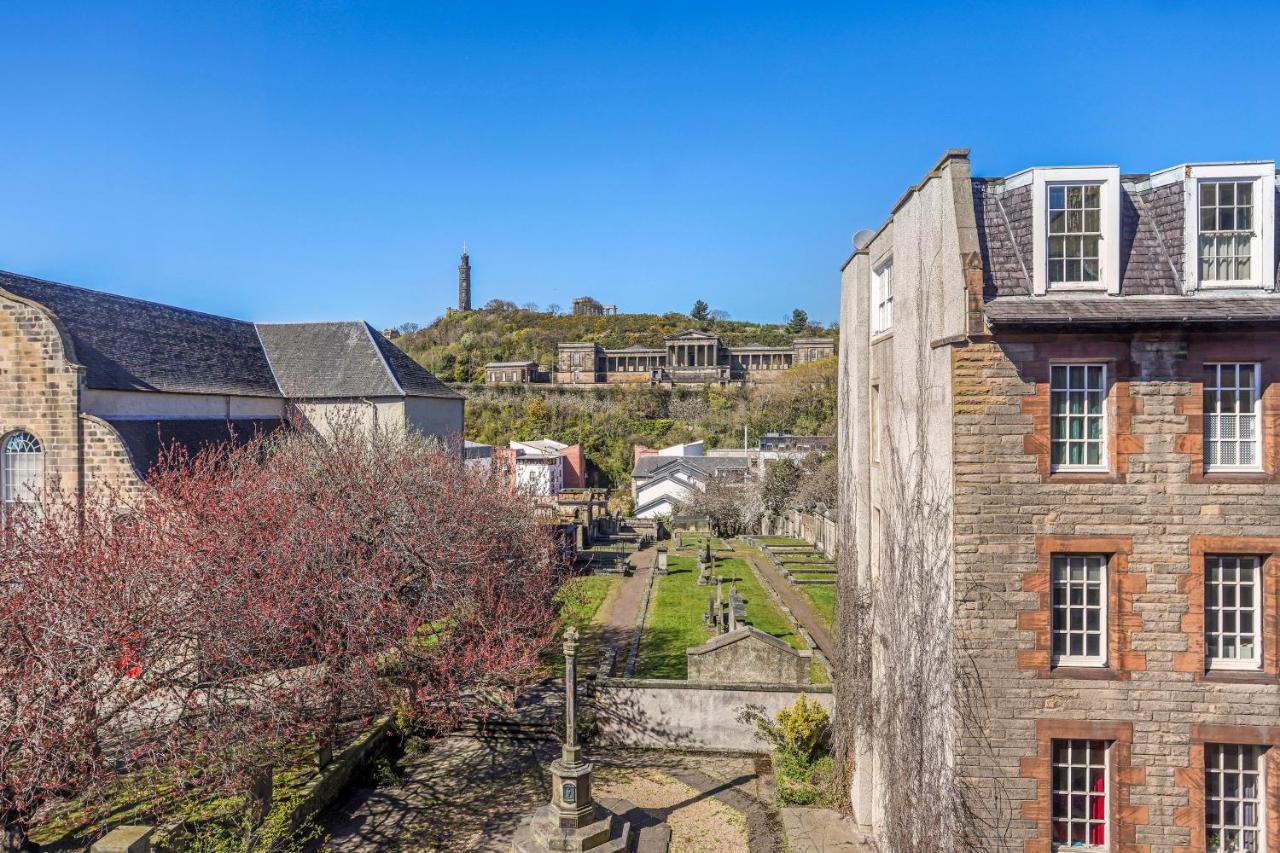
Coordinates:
(748,656)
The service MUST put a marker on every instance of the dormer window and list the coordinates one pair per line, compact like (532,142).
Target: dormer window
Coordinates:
(1075,234)
(1226,231)
(1076,224)
(1230,220)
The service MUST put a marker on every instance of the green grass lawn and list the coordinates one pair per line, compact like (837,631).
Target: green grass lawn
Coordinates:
(580,600)
(824,599)
(780,540)
(762,613)
(674,620)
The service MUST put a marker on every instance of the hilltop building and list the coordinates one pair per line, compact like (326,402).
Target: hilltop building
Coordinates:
(588,307)
(93,385)
(688,358)
(1060,474)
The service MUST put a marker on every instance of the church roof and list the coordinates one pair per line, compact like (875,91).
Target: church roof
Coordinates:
(133,345)
(128,344)
(344,359)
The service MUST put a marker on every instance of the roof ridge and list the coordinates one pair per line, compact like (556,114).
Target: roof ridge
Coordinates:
(395,380)
(121,296)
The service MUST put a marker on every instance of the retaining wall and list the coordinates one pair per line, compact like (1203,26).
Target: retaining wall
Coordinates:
(664,714)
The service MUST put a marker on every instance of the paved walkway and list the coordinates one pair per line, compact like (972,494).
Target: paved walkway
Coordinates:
(801,607)
(822,831)
(618,622)
(470,794)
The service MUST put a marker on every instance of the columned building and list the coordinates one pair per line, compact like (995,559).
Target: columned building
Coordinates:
(690,357)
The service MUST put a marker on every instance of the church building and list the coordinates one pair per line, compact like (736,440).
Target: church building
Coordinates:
(93,385)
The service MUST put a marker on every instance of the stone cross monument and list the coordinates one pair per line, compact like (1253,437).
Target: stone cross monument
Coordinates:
(573,820)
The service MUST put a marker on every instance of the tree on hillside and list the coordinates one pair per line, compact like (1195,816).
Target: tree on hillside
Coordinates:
(700,311)
(553,309)
(720,315)
(499,305)
(799,322)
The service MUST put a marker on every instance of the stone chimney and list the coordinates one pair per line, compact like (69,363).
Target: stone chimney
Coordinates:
(464,281)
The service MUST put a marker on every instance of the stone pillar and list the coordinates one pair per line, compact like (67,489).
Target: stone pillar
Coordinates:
(125,839)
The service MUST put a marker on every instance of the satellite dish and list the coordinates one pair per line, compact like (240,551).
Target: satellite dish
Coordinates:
(862,238)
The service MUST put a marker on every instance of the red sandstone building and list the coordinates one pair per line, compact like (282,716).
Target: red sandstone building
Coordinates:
(1060,448)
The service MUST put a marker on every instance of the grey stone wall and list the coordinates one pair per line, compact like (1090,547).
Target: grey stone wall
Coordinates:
(748,656)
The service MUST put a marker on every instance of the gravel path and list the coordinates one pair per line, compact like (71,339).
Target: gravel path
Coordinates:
(801,607)
(619,620)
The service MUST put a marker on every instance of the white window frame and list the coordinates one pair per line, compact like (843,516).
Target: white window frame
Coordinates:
(882,297)
(1104,634)
(1107,793)
(1108,178)
(1261,803)
(14,485)
(1104,447)
(1256,465)
(1263,258)
(1259,569)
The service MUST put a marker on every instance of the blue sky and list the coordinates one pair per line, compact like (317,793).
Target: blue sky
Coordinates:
(324,160)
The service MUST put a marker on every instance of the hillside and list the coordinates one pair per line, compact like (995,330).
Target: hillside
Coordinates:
(609,420)
(457,346)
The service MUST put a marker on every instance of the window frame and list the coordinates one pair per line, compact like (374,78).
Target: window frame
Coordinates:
(1254,664)
(1256,466)
(1262,264)
(1108,792)
(1104,447)
(1261,800)
(882,297)
(1107,178)
(6,469)
(1103,659)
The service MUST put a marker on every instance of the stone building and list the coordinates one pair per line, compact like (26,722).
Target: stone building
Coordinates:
(690,357)
(93,385)
(587,306)
(511,372)
(1060,450)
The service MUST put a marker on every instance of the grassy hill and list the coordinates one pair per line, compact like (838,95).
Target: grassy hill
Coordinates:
(607,421)
(457,346)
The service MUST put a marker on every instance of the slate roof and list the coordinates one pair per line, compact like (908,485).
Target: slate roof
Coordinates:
(1151,245)
(510,363)
(1152,250)
(1102,311)
(130,344)
(133,345)
(649,466)
(144,439)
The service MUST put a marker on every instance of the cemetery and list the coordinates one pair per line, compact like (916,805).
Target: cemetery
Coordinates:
(812,572)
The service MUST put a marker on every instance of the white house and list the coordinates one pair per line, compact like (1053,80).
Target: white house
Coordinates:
(662,479)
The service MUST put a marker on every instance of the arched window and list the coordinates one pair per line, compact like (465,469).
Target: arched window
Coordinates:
(21,467)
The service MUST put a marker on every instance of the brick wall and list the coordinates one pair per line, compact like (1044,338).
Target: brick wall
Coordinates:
(1008,512)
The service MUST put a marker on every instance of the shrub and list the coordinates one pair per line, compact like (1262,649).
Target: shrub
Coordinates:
(804,727)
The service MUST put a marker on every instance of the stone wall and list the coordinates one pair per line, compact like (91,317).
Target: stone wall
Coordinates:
(1151,519)
(39,388)
(748,655)
(664,714)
